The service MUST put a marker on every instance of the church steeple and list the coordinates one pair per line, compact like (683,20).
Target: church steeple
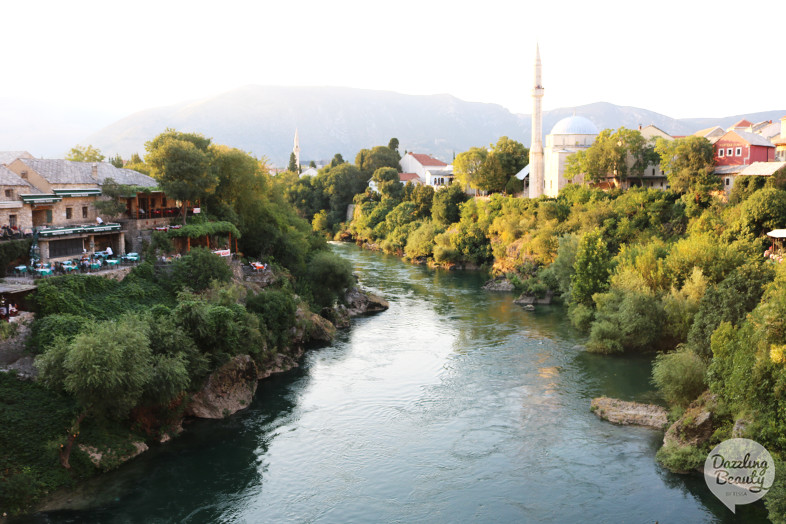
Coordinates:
(536,167)
(296,150)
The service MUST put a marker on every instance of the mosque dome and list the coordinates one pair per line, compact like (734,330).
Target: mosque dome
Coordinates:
(574,125)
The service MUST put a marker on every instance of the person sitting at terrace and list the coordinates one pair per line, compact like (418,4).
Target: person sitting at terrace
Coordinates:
(109,251)
(99,221)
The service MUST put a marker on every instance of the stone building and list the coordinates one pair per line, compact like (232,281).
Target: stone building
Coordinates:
(57,198)
(13,211)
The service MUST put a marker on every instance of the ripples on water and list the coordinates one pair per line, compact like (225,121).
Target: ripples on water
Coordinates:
(453,406)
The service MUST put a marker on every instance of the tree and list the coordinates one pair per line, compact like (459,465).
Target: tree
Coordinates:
(115,204)
(388,182)
(492,176)
(468,166)
(512,155)
(137,164)
(446,208)
(199,268)
(106,368)
(337,160)
(312,164)
(393,144)
(116,161)
(85,154)
(688,163)
(591,268)
(620,154)
(241,180)
(379,156)
(329,276)
(181,164)
(293,167)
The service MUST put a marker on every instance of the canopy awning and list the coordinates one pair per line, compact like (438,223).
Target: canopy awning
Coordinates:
(777,233)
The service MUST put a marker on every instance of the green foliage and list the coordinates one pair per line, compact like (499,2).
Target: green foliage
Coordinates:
(106,367)
(763,211)
(514,186)
(729,301)
(45,330)
(446,207)
(181,164)
(27,463)
(688,164)
(85,154)
(329,276)
(625,320)
(12,251)
(421,240)
(379,156)
(591,268)
(115,203)
(197,269)
(276,309)
(292,166)
(320,221)
(681,458)
(679,376)
(204,229)
(620,154)
(468,166)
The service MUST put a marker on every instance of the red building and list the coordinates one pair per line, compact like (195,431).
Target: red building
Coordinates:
(741,148)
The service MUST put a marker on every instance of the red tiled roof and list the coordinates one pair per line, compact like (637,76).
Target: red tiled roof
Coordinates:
(426,160)
(742,123)
(406,177)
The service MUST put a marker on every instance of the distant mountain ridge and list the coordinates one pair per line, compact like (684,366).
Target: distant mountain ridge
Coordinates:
(330,120)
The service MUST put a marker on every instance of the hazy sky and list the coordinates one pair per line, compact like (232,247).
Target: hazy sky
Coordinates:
(682,58)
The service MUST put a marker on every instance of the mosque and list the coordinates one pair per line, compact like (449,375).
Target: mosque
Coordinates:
(569,135)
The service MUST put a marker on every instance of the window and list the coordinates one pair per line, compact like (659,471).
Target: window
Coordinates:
(84,211)
(720,152)
(69,213)
(727,181)
(9,193)
(729,151)
(12,220)
(65,248)
(738,151)
(48,216)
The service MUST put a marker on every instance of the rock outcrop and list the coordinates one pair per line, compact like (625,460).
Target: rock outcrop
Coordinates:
(361,302)
(228,390)
(109,459)
(695,426)
(629,413)
(498,284)
(529,300)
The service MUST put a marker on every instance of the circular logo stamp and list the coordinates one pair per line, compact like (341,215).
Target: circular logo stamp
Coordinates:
(739,471)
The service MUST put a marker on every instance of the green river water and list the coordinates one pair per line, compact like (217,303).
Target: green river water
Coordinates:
(455,405)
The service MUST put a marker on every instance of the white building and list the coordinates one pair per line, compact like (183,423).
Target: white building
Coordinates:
(431,171)
(569,135)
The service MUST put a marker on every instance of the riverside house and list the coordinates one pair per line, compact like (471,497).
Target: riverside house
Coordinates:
(57,198)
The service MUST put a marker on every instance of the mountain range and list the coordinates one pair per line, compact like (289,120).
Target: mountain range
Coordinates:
(262,120)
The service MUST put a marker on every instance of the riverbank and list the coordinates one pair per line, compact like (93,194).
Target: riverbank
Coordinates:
(30,465)
(453,405)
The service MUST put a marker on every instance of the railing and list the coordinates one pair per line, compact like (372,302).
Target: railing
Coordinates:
(48,232)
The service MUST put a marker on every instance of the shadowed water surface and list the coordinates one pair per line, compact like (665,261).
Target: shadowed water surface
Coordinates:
(453,406)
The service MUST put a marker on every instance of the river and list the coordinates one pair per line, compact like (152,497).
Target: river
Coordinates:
(455,405)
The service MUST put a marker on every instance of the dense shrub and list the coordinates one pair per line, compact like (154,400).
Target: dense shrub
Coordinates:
(198,268)
(277,309)
(329,276)
(679,376)
(44,331)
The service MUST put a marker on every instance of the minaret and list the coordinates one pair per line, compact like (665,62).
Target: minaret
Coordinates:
(296,150)
(536,146)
